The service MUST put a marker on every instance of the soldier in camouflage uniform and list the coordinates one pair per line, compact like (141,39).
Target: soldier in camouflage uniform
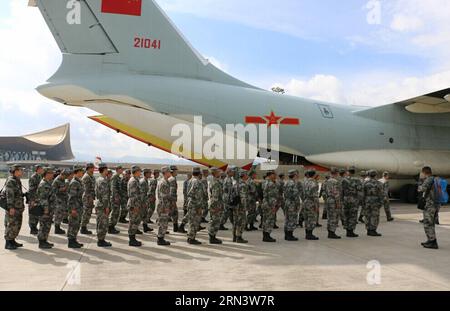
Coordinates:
(174,196)
(195,207)
(292,206)
(239,211)
(70,176)
(204,180)
(144,184)
(152,185)
(269,205)
(185,202)
(215,205)
(14,208)
(44,197)
(227,186)
(374,197)
(363,178)
(59,200)
(75,207)
(386,201)
(280,201)
(252,199)
(428,192)
(88,182)
(310,204)
(115,200)
(333,203)
(351,191)
(301,217)
(124,197)
(322,195)
(165,205)
(33,184)
(134,206)
(102,205)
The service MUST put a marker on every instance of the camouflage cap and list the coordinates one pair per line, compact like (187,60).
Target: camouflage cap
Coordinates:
(135,169)
(77,168)
(334,171)
(165,169)
(102,166)
(15,167)
(157,171)
(196,170)
(127,171)
(243,173)
(292,173)
(119,167)
(270,172)
(173,168)
(231,168)
(65,172)
(352,169)
(147,171)
(37,166)
(386,173)
(205,170)
(363,173)
(90,165)
(48,170)
(342,171)
(373,173)
(281,174)
(214,170)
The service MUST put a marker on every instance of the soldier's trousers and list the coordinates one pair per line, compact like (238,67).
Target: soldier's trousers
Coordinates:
(87,214)
(194,218)
(251,212)
(387,208)
(291,216)
(115,213)
(144,214)
(60,213)
(45,224)
(215,215)
(14,224)
(163,220)
(429,221)
(33,220)
(205,209)
(350,213)
(362,209)
(227,214)
(268,214)
(333,213)
(174,213)
(372,216)
(239,220)
(301,214)
(135,221)
(123,209)
(151,211)
(102,223)
(74,225)
(310,213)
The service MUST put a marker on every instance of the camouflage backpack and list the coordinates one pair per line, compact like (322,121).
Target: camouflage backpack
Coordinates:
(3,202)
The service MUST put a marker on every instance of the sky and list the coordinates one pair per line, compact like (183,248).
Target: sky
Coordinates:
(353,52)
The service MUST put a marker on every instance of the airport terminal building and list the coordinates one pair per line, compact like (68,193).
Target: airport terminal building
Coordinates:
(49,145)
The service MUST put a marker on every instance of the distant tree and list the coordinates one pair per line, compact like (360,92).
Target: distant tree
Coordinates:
(278,90)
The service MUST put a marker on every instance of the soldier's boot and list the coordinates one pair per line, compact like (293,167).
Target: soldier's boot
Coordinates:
(310,236)
(85,231)
(267,238)
(234,238)
(240,240)
(18,245)
(103,243)
(389,216)
(176,228)
(214,240)
(253,228)
(59,231)
(333,236)
(74,244)
(300,223)
(361,219)
(139,232)
(113,230)
(351,234)
(43,244)
(194,242)
(162,242)
(181,229)
(373,233)
(10,246)
(289,236)
(147,228)
(123,220)
(34,230)
(223,228)
(133,242)
(431,244)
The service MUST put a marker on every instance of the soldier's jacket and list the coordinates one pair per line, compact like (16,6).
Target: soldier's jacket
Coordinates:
(185,188)
(14,194)
(195,193)
(44,195)
(164,196)
(352,187)
(59,191)
(88,183)
(75,195)
(300,190)
(280,185)
(333,191)
(227,189)
(252,190)
(311,190)
(385,187)
(373,193)
(116,188)
(143,183)
(152,186)
(204,182)
(173,189)
(103,193)
(215,193)
(33,185)
(134,194)
(271,192)
(241,187)
(426,188)
(124,188)
(291,193)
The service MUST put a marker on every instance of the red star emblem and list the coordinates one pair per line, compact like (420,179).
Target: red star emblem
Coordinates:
(273,119)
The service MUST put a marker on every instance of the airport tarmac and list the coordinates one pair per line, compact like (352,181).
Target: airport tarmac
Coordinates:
(323,265)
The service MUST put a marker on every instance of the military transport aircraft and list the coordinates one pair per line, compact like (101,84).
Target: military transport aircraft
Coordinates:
(127,61)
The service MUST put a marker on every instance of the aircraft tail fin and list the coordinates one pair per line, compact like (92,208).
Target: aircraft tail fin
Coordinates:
(134,33)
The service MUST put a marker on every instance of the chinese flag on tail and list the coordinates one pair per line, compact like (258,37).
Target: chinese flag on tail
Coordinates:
(125,7)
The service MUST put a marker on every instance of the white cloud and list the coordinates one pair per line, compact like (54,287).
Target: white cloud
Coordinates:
(405,23)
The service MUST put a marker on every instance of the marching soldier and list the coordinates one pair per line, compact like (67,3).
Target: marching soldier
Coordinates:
(351,190)
(292,206)
(239,211)
(310,204)
(59,200)
(426,189)
(333,197)
(280,204)
(363,178)
(88,182)
(301,217)
(185,201)
(144,184)
(70,176)
(322,194)
(33,184)
(227,187)
(152,185)
(102,206)
(165,205)
(253,198)
(374,198)
(44,197)
(116,200)
(174,196)
(195,207)
(204,180)
(215,205)
(75,207)
(269,206)
(134,206)
(386,201)
(124,197)
(14,208)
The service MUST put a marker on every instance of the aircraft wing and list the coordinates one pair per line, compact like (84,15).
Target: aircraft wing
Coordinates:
(436,102)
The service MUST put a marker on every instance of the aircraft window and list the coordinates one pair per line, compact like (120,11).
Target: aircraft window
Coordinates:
(326,111)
